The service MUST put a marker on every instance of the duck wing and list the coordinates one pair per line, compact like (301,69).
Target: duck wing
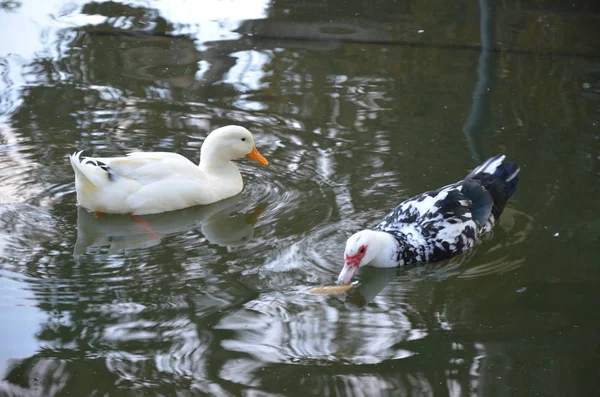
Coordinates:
(146,167)
(443,203)
(439,224)
(481,200)
(481,196)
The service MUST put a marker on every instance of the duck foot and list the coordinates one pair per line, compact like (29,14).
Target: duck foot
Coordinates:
(145,225)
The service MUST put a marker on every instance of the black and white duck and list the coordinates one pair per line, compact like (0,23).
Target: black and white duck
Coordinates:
(435,225)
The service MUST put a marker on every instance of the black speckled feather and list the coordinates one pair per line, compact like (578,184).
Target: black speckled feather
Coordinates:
(102,165)
(445,222)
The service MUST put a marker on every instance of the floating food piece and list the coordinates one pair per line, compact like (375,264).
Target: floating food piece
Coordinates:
(330,289)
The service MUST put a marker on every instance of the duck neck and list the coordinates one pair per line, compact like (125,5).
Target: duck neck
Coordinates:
(213,162)
(386,248)
(409,250)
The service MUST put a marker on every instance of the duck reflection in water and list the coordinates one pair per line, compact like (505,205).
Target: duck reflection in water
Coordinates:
(373,280)
(120,232)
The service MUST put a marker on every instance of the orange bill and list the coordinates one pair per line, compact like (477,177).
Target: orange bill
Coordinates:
(254,155)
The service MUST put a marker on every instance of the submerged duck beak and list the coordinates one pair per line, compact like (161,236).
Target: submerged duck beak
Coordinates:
(255,155)
(346,274)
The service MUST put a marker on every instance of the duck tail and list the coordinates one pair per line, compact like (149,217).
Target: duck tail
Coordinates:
(507,172)
(85,174)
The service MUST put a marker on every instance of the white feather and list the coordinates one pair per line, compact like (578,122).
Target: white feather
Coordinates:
(513,175)
(489,166)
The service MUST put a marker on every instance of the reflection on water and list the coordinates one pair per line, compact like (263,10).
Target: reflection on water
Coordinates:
(290,327)
(124,232)
(358,106)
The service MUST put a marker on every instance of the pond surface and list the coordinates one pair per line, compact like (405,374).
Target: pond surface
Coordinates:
(358,105)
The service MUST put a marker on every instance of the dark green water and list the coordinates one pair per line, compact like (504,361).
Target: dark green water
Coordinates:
(358,105)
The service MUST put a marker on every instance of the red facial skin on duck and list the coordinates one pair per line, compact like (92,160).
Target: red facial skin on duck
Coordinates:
(355,259)
(352,264)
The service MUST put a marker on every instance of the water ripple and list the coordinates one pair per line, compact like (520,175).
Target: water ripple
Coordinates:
(212,300)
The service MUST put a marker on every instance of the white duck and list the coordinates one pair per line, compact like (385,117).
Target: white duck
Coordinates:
(154,182)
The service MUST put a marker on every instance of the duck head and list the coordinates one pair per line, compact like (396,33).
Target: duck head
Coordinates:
(231,142)
(361,250)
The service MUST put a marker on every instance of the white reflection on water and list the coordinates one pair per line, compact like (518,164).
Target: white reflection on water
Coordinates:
(286,328)
(17,166)
(19,319)
(206,20)
(213,19)
(217,222)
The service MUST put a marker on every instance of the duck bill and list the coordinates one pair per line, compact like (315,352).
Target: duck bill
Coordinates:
(256,156)
(346,274)
(252,217)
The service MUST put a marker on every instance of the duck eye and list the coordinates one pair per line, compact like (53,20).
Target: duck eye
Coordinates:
(244,139)
(362,250)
